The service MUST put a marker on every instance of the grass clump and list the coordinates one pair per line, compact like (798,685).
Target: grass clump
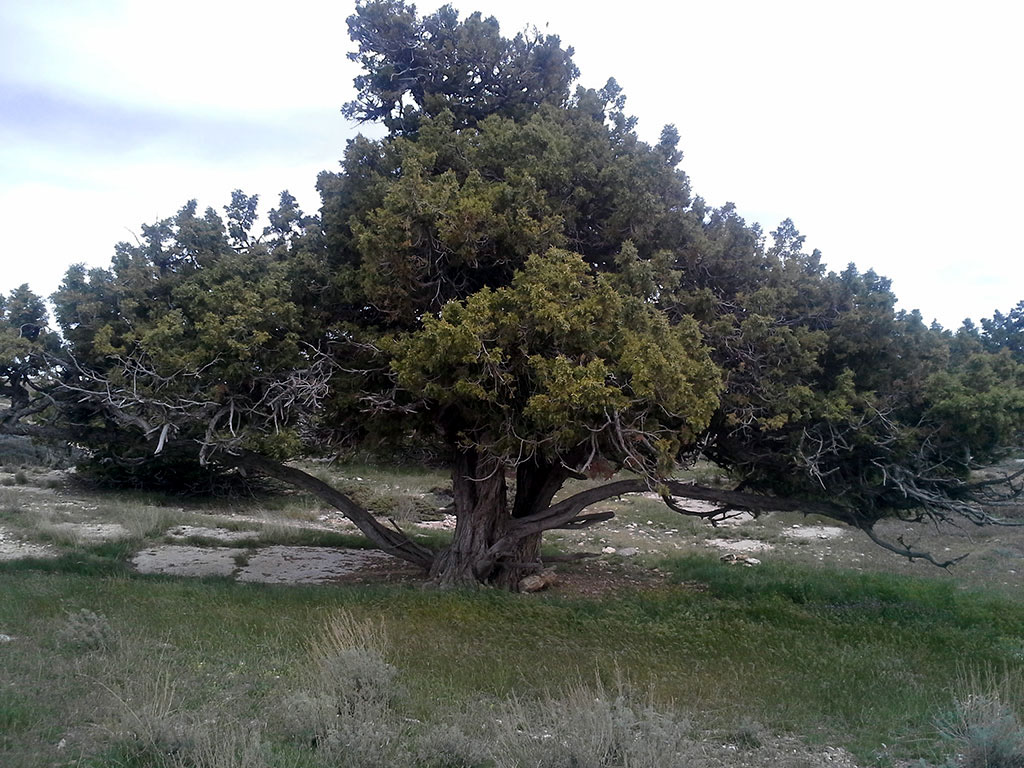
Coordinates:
(984,726)
(86,630)
(347,707)
(590,725)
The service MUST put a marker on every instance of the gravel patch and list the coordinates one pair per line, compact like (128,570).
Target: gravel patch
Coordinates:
(740,545)
(446,523)
(11,548)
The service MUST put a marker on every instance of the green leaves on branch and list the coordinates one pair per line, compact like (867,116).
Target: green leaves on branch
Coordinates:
(560,358)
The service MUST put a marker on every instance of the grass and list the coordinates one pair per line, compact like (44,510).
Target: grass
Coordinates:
(851,659)
(131,670)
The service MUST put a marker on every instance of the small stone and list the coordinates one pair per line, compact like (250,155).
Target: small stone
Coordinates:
(748,561)
(628,551)
(5,638)
(608,550)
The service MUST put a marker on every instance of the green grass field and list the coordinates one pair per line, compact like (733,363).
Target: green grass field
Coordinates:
(705,665)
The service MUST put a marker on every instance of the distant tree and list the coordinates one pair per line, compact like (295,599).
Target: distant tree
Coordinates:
(1005,332)
(25,339)
(512,277)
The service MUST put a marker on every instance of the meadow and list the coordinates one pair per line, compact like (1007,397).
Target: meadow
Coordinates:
(822,651)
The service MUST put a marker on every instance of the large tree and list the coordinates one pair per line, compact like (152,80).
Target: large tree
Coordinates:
(513,277)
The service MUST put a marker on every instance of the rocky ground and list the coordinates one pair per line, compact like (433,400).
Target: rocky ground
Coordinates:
(247,544)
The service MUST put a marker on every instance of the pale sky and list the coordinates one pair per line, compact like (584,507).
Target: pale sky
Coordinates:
(892,133)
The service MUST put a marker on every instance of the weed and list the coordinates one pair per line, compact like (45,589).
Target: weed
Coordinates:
(10,502)
(51,481)
(85,630)
(147,717)
(593,726)
(983,727)
(20,478)
(347,708)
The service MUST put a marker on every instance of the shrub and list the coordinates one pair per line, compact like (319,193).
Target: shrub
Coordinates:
(591,726)
(346,709)
(86,630)
(984,728)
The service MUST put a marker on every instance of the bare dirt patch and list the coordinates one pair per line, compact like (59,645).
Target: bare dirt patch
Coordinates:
(224,535)
(740,545)
(823,532)
(12,548)
(596,578)
(91,533)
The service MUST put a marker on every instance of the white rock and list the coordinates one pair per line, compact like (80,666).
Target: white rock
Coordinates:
(608,550)
(628,551)
(5,638)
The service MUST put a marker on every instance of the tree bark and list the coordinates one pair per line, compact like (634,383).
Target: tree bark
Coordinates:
(481,512)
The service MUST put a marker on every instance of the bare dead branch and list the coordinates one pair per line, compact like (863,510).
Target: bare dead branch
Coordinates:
(905,550)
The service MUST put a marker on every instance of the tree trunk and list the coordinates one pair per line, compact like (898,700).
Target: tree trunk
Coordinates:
(481,512)
(483,517)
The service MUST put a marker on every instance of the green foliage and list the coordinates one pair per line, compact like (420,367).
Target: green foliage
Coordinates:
(1005,332)
(440,63)
(195,313)
(556,358)
(979,401)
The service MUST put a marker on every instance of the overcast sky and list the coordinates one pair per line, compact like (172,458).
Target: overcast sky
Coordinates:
(890,132)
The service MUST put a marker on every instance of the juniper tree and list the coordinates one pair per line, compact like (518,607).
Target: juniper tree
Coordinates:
(513,277)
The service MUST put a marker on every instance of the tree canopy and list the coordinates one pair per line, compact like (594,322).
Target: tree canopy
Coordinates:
(512,277)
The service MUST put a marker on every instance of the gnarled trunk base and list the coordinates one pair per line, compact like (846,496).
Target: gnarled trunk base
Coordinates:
(482,518)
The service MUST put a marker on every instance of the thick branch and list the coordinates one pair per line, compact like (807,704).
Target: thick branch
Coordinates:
(394,542)
(585,521)
(756,503)
(566,513)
